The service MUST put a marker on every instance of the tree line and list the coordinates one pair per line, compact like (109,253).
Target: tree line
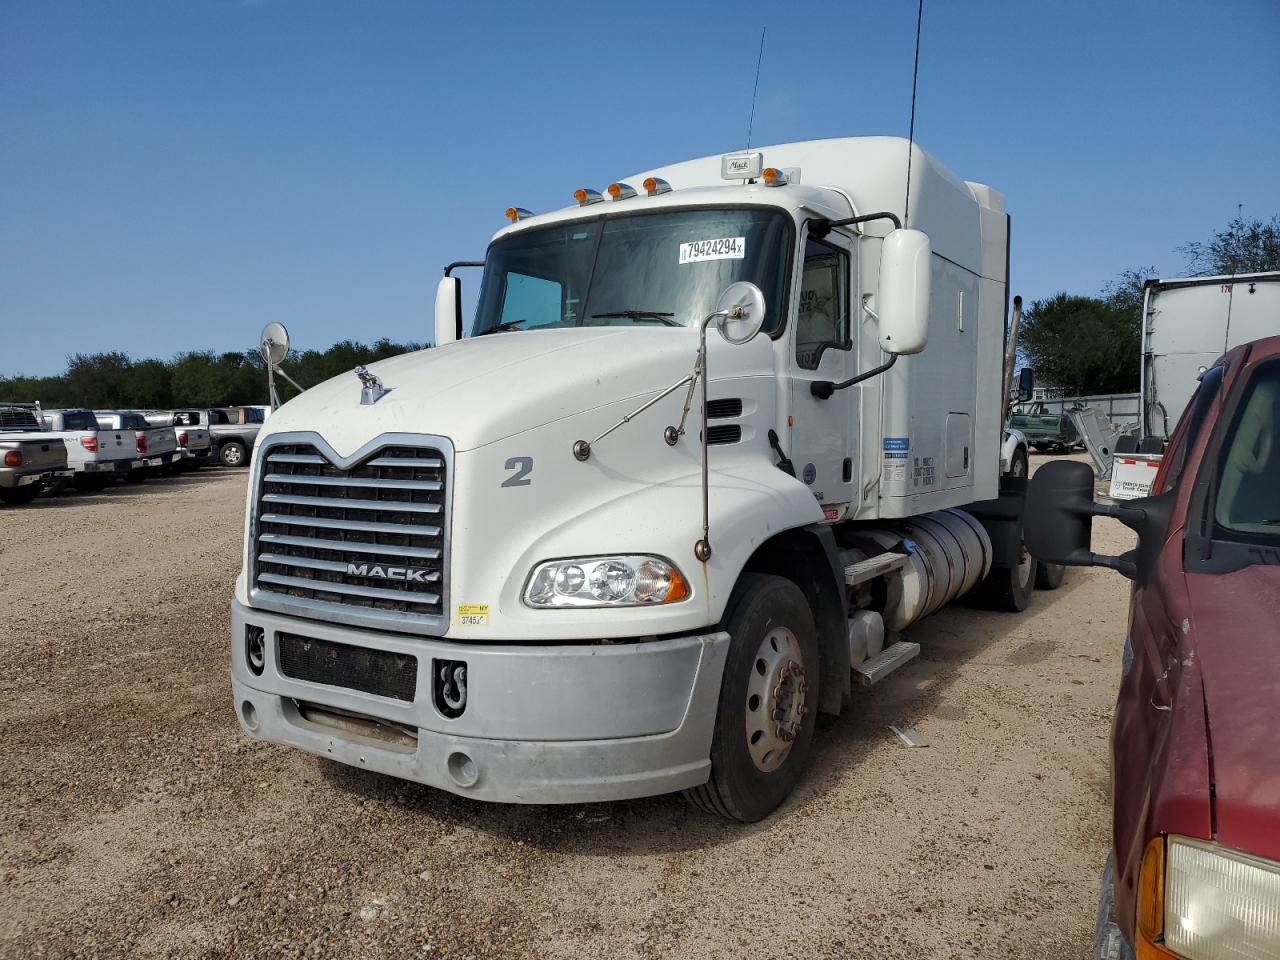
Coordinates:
(1093,344)
(197,378)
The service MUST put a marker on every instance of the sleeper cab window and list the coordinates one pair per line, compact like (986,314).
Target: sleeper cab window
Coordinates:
(824,303)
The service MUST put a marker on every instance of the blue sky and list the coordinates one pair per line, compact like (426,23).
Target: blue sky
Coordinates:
(175,174)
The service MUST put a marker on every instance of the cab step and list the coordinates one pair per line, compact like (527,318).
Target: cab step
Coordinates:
(874,669)
(872,567)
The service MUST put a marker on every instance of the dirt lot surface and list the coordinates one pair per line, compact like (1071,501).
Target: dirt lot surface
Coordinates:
(135,820)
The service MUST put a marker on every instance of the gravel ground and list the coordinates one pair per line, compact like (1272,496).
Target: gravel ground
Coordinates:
(136,821)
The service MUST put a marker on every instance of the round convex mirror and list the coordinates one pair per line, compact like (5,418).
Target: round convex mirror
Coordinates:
(274,343)
(744,304)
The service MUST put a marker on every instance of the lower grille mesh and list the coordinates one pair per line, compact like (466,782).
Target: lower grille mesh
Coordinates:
(379,672)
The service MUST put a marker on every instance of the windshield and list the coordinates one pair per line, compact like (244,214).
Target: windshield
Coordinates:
(1247,502)
(650,269)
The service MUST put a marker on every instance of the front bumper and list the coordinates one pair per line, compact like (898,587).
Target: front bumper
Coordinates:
(554,723)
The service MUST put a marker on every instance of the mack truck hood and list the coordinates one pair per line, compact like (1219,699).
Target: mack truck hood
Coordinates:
(1234,618)
(484,389)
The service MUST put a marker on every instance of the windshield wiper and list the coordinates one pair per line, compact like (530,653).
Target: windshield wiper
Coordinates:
(639,315)
(502,327)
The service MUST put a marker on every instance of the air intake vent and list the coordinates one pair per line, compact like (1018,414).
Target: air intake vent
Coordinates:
(724,433)
(731,407)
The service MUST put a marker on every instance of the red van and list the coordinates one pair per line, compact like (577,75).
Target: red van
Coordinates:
(1194,870)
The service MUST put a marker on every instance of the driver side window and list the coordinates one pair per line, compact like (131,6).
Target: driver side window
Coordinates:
(824,303)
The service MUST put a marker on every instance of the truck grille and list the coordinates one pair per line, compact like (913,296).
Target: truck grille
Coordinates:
(370,536)
(380,672)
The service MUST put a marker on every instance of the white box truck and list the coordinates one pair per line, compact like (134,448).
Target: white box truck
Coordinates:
(684,481)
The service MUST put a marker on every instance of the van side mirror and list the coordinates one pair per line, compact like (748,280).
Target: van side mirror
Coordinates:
(903,306)
(1026,384)
(448,310)
(1059,519)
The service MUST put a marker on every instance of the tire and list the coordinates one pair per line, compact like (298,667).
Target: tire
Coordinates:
(1010,588)
(755,761)
(16,496)
(91,483)
(1049,576)
(1018,464)
(56,488)
(232,454)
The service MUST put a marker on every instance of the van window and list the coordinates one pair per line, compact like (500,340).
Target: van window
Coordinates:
(824,303)
(1247,493)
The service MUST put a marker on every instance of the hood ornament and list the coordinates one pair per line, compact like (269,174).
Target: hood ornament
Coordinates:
(373,390)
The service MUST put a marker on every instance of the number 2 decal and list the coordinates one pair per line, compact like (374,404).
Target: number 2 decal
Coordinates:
(523,466)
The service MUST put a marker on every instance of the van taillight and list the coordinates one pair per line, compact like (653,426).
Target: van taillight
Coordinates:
(89,443)
(141,442)
(13,458)
(182,439)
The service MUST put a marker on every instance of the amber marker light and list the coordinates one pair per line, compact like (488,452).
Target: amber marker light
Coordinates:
(585,195)
(1150,903)
(773,177)
(620,191)
(516,214)
(655,185)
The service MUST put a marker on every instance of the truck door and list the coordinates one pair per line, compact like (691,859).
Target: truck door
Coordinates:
(822,446)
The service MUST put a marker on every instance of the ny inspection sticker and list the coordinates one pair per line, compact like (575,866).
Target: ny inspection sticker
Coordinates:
(473,614)
(726,248)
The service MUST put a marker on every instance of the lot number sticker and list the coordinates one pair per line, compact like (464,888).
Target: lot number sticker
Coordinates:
(726,248)
(473,614)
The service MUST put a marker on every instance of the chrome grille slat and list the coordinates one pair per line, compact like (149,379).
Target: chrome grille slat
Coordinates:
(330,538)
(350,546)
(362,482)
(347,503)
(326,586)
(327,523)
(332,566)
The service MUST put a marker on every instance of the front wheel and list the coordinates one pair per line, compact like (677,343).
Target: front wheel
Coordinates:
(768,701)
(1018,464)
(1010,588)
(232,454)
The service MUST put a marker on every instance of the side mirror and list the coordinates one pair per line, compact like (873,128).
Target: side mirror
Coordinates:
(742,312)
(1026,384)
(1059,516)
(448,310)
(904,291)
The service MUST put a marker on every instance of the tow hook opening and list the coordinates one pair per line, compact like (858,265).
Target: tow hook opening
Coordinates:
(255,648)
(449,687)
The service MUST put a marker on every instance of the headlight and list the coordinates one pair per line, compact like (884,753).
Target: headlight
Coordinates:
(627,581)
(1220,904)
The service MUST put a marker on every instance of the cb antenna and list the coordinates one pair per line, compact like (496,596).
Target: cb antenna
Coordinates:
(911,130)
(759,57)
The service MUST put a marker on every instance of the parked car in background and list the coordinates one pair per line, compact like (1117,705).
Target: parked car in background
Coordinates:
(234,430)
(1044,430)
(195,443)
(95,456)
(156,445)
(30,455)
(1195,863)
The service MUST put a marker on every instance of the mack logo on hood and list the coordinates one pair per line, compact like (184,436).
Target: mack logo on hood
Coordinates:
(378,571)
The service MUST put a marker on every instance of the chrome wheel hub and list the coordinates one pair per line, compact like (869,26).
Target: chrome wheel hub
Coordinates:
(775,699)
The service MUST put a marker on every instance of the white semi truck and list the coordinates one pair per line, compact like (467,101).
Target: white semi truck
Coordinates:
(686,479)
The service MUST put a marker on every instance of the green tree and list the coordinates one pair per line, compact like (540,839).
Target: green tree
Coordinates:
(147,384)
(1243,246)
(1086,345)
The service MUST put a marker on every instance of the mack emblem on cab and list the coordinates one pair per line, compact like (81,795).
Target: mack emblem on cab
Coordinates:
(566,556)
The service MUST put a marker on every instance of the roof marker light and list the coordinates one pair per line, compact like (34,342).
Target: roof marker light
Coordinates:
(620,191)
(585,195)
(654,186)
(516,214)
(773,177)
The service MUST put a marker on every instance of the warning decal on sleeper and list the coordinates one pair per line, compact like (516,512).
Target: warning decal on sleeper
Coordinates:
(896,453)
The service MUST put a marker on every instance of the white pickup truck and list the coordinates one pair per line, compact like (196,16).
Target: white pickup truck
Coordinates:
(156,446)
(30,456)
(96,456)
